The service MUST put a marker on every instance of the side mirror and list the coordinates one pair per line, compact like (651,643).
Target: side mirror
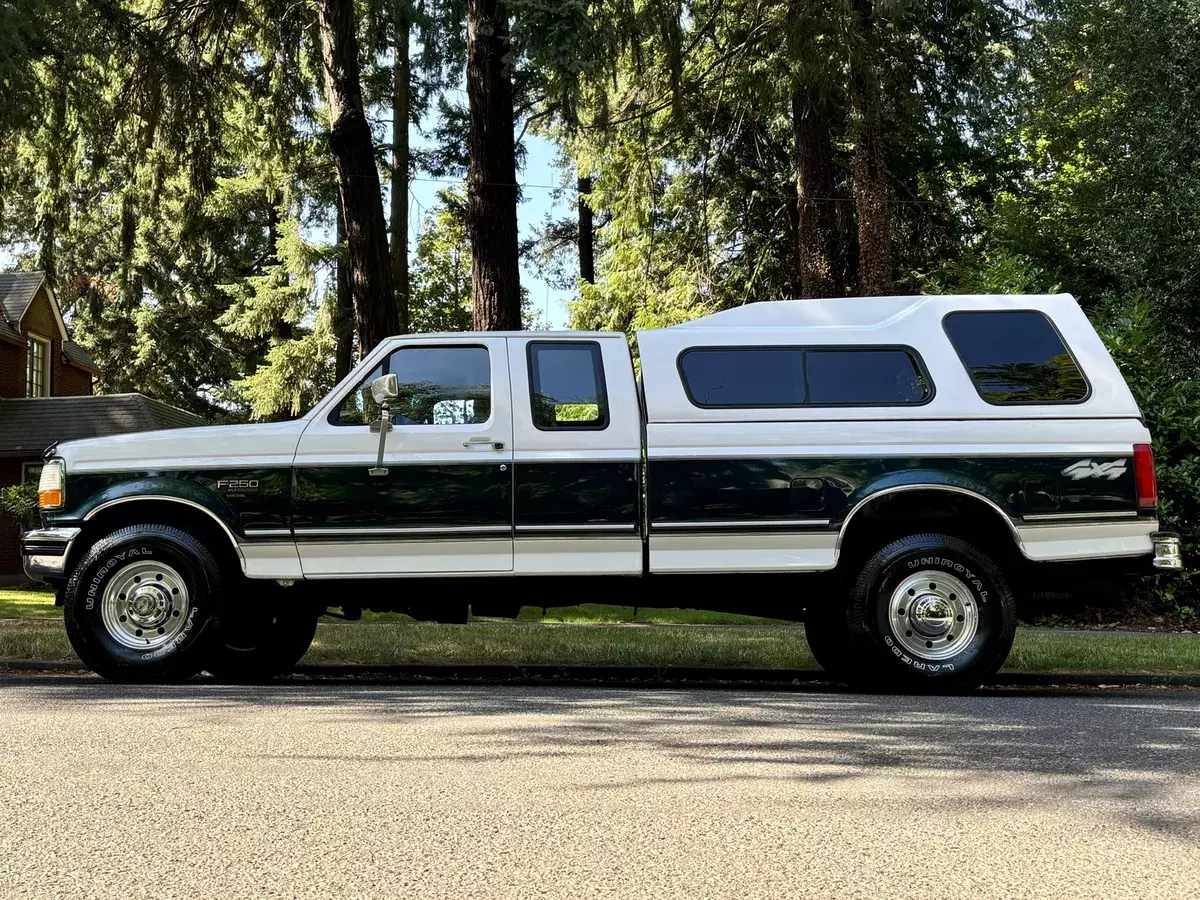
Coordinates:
(385,388)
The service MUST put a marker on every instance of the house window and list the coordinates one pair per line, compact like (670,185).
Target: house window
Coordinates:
(31,472)
(37,374)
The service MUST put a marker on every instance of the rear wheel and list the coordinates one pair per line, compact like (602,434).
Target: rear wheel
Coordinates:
(142,604)
(266,631)
(930,612)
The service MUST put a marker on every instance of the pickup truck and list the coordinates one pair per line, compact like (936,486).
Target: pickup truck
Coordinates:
(893,471)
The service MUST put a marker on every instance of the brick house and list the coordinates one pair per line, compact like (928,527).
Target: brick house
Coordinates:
(46,395)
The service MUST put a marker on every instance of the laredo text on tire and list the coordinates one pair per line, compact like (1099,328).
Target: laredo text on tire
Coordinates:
(143,603)
(930,612)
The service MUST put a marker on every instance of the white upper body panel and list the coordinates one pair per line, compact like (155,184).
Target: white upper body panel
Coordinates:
(914,322)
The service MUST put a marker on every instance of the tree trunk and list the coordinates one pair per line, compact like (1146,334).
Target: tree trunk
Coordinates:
(870,176)
(587,232)
(820,250)
(358,180)
(398,223)
(53,209)
(343,311)
(492,174)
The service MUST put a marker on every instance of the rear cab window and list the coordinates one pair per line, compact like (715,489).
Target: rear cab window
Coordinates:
(774,377)
(1016,356)
(566,385)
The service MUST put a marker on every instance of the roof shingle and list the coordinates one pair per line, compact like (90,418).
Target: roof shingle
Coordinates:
(16,291)
(29,426)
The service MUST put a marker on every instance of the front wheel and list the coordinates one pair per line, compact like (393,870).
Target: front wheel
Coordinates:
(142,604)
(930,612)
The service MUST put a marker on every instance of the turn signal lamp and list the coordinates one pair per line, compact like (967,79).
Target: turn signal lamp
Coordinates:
(51,486)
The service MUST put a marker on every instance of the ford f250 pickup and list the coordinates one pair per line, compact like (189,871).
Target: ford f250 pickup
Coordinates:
(894,471)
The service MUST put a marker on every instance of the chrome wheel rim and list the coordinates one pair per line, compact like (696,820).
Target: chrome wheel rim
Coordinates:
(145,605)
(934,616)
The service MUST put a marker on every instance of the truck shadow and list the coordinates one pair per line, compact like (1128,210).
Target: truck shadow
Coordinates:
(1136,753)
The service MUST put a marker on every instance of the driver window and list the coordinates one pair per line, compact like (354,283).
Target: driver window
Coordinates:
(438,386)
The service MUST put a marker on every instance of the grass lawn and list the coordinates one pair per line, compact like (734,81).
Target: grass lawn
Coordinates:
(26,604)
(594,635)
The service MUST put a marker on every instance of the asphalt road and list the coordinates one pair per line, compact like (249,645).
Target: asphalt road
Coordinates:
(464,792)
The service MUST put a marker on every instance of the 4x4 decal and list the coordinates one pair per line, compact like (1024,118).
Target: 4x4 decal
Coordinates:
(1086,468)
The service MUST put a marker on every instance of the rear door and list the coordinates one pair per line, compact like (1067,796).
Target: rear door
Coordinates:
(443,505)
(577,441)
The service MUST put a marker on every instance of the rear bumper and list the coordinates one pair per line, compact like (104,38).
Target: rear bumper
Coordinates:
(1168,553)
(44,552)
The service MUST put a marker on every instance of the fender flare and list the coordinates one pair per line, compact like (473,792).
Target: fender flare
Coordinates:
(168,490)
(918,480)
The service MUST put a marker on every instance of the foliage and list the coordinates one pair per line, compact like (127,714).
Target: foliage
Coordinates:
(1171,409)
(19,503)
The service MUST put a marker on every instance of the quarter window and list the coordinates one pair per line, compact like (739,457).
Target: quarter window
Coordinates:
(742,377)
(1016,356)
(438,386)
(566,385)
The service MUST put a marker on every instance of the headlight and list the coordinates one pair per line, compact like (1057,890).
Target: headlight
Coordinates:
(52,487)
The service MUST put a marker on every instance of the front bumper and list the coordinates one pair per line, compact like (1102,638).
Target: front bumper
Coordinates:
(44,552)
(1168,553)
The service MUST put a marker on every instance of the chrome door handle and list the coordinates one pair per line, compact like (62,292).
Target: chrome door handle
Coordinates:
(483,442)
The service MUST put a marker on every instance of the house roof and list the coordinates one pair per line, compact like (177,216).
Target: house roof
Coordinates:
(76,355)
(17,290)
(29,426)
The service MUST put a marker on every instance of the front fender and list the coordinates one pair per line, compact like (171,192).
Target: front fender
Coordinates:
(87,495)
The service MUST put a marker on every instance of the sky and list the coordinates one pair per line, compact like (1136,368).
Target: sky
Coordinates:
(538,180)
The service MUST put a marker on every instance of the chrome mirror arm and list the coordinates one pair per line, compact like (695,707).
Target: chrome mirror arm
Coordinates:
(385,425)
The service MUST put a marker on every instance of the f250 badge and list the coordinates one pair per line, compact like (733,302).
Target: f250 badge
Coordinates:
(1086,468)
(237,484)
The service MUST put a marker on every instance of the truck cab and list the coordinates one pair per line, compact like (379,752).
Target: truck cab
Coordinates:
(894,471)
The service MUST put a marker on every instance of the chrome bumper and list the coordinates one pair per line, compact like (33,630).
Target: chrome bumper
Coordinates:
(1167,552)
(44,552)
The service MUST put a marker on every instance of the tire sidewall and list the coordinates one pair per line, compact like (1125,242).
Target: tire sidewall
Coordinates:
(988,647)
(102,563)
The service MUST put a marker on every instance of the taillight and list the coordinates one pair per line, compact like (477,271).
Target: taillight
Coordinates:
(1143,476)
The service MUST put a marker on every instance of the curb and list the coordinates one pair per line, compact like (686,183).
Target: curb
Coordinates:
(638,677)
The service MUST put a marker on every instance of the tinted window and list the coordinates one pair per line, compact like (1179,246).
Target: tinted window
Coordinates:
(864,377)
(1016,357)
(438,386)
(793,376)
(566,385)
(744,376)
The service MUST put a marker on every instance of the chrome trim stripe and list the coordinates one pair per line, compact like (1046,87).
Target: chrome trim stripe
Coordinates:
(398,531)
(1065,517)
(268,532)
(626,528)
(753,524)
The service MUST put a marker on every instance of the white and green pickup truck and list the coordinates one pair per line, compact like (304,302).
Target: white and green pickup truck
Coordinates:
(894,471)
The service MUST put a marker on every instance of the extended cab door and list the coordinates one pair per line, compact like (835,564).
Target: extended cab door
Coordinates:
(443,505)
(577,442)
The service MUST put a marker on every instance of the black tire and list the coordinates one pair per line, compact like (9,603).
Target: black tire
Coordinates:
(197,603)
(266,631)
(827,630)
(884,651)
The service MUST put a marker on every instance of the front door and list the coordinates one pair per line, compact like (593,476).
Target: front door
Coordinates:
(443,503)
